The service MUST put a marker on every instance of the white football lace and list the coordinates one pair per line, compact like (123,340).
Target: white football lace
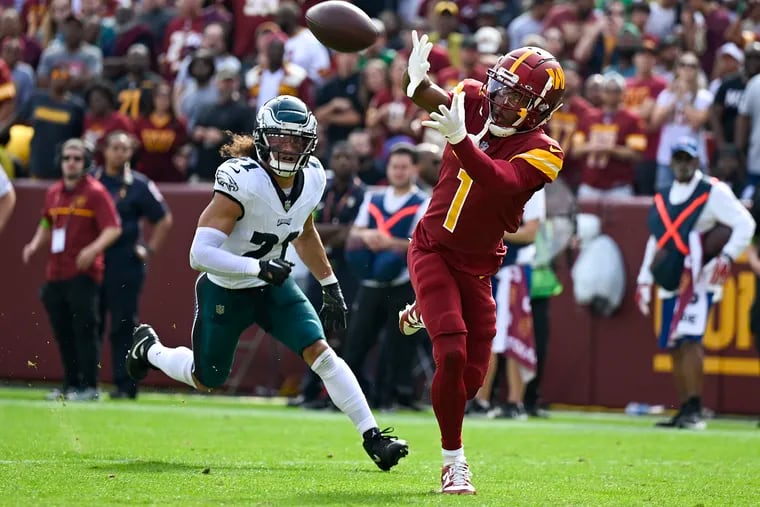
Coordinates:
(414,319)
(459,474)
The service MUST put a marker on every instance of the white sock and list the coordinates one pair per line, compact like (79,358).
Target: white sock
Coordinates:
(344,390)
(451,457)
(175,362)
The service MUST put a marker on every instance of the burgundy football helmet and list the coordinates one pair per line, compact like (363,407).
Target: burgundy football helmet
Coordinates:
(522,91)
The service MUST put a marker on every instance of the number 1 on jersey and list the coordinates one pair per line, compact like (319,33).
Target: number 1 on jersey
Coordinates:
(452,216)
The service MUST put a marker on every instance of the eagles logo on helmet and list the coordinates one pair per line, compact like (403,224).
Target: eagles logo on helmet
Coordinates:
(522,91)
(285,135)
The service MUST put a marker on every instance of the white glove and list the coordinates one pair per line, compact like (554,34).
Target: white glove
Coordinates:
(450,123)
(643,297)
(418,65)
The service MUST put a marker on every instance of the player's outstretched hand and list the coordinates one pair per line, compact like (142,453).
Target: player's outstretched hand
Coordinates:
(450,121)
(418,65)
(275,271)
(334,309)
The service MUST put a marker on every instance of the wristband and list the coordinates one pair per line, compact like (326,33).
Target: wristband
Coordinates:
(329,280)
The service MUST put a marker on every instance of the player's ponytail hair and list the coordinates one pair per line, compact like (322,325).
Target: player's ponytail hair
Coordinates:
(239,146)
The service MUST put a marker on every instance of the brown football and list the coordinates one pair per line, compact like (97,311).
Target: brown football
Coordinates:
(341,26)
(714,240)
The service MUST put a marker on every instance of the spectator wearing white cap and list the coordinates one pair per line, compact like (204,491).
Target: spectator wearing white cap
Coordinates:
(489,42)
(529,22)
(728,64)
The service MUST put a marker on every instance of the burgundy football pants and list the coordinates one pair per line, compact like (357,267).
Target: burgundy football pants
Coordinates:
(460,316)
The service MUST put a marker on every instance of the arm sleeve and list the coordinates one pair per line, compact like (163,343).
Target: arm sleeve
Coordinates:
(645,274)
(522,172)
(207,255)
(153,205)
(733,214)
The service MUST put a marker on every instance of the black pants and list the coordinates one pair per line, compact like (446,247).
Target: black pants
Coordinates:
(72,307)
(119,298)
(376,310)
(540,309)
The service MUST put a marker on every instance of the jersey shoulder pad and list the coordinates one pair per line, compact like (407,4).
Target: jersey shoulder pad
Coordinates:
(317,170)
(470,87)
(541,152)
(232,176)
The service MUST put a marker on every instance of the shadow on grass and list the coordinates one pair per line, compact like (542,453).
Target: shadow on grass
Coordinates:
(361,498)
(156,466)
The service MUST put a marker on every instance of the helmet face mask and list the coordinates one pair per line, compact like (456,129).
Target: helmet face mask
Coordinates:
(522,91)
(285,135)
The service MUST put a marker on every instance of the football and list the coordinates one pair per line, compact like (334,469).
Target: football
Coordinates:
(341,26)
(714,240)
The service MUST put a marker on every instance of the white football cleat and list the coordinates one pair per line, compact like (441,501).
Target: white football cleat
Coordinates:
(455,479)
(410,320)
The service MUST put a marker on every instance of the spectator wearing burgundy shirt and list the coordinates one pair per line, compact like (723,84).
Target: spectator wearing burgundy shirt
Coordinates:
(79,221)
(103,116)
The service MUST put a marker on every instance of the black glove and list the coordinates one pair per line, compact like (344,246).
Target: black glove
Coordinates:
(334,309)
(275,271)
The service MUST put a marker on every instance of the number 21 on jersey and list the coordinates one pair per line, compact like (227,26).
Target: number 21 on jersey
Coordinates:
(452,216)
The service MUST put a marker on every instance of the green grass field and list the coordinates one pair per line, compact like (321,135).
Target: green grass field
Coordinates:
(193,450)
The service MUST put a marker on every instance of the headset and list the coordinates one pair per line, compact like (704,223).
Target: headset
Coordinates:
(77,143)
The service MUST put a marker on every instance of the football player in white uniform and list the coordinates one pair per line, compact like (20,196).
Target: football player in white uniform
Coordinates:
(263,200)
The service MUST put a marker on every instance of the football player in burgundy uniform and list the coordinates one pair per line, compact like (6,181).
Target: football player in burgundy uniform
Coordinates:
(496,157)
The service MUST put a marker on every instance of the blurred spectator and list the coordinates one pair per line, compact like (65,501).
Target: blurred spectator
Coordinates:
(50,27)
(705,23)
(130,30)
(445,29)
(745,28)
(7,94)
(747,135)
(438,58)
(247,17)
(161,135)
(136,198)
(592,89)
(599,38)
(375,78)
(529,22)
(376,250)
(156,16)
(182,36)
(201,91)
(103,117)
(429,162)
(21,72)
(663,18)
(10,26)
(83,61)
(302,48)
(333,219)
(610,142)
(729,63)
(469,66)
(370,171)
(55,115)
(668,52)
(215,42)
(627,44)
(134,88)
(639,11)
(339,109)
(379,49)
(273,76)
(489,42)
(392,25)
(78,223)
(216,121)
(730,163)
(391,113)
(573,19)
(564,123)
(641,93)
(681,110)
(7,199)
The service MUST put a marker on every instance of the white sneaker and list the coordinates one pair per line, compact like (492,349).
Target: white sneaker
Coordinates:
(410,320)
(455,479)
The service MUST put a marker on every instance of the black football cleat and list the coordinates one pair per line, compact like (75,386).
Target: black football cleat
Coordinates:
(385,449)
(144,337)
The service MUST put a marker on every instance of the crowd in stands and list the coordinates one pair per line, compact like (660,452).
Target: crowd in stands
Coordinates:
(182,76)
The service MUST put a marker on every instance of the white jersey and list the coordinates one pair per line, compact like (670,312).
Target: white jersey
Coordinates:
(271,218)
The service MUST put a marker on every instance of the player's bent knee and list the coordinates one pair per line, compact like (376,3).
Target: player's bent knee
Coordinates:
(450,353)
(313,351)
(206,380)
(446,323)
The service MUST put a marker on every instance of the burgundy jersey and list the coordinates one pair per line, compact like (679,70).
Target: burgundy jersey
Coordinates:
(482,189)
